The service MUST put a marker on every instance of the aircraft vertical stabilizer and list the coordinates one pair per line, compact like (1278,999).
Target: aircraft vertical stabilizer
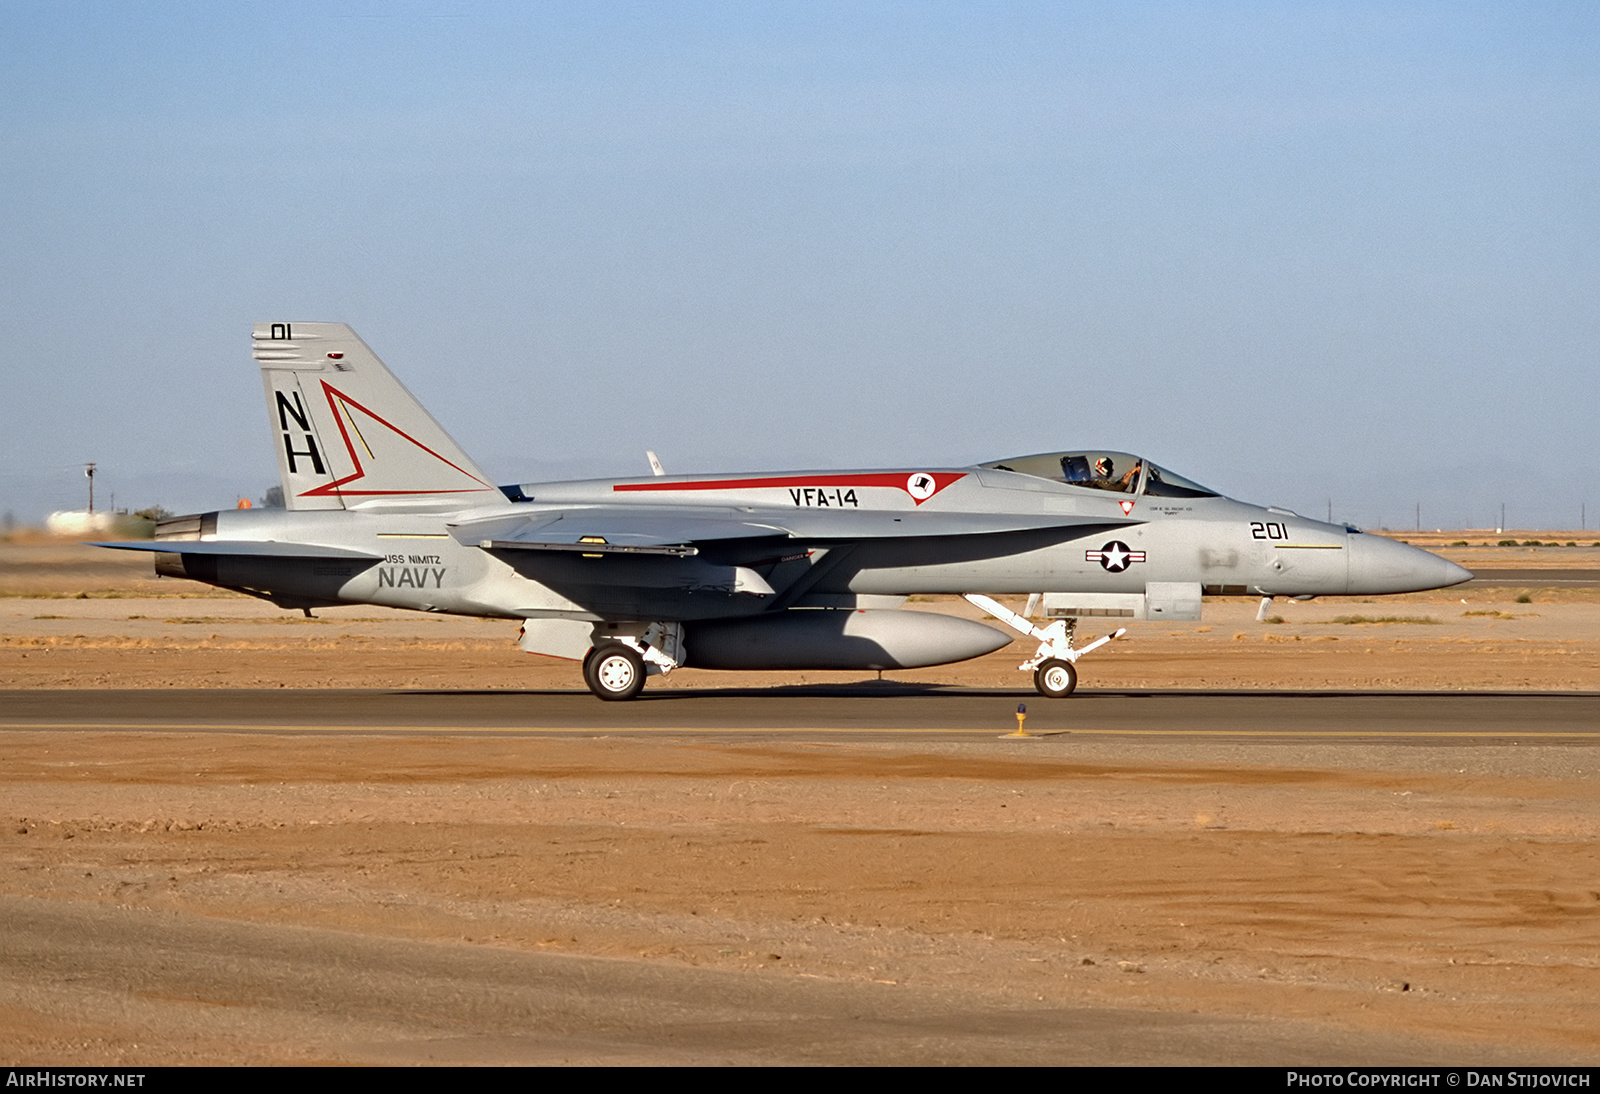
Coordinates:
(348,434)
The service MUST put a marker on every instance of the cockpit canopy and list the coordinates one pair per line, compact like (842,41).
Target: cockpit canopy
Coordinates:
(1119,472)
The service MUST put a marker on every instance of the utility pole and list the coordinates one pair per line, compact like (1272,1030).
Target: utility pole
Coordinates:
(89,472)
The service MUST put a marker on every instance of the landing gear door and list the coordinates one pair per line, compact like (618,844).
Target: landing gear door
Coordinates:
(1093,605)
(1174,601)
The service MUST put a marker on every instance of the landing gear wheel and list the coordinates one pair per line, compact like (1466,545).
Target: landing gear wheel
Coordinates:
(614,671)
(1055,679)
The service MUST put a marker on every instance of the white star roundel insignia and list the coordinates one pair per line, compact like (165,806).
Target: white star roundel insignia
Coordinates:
(921,486)
(1114,557)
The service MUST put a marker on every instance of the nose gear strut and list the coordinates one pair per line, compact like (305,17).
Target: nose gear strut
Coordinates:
(1054,663)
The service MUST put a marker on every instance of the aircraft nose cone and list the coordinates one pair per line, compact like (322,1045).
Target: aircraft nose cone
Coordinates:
(1380,565)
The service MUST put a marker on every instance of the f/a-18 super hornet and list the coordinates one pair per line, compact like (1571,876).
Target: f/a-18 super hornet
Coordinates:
(803,570)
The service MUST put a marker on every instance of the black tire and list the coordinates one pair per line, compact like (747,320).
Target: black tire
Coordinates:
(614,672)
(1055,679)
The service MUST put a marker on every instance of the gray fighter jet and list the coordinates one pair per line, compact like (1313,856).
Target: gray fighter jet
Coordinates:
(804,570)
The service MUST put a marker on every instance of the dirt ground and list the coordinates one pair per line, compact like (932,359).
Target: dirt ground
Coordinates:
(1406,901)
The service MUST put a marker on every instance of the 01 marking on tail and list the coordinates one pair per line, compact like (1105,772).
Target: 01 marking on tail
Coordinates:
(805,570)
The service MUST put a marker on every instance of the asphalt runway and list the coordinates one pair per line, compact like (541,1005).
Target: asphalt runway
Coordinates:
(865,709)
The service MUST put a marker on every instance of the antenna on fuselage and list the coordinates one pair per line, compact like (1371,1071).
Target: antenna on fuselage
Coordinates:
(655,464)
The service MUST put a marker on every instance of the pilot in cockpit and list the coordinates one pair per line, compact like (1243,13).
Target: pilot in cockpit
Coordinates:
(1101,474)
(1106,478)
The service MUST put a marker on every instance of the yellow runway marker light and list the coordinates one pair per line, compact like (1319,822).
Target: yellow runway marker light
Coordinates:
(1022,716)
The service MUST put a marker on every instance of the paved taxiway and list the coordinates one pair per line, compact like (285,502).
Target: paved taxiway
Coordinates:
(1431,717)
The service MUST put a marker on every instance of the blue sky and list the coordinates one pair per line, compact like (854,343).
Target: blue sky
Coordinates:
(1302,253)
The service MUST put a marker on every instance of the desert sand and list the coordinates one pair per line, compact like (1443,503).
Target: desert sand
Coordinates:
(200,896)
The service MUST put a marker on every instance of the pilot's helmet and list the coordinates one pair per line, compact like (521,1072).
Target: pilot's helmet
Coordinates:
(1103,467)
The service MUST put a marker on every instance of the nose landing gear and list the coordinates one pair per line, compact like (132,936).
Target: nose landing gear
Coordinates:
(1054,663)
(1055,679)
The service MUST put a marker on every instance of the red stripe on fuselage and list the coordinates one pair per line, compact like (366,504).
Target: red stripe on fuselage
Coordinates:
(895,480)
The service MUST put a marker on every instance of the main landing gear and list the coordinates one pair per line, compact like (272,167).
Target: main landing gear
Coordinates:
(614,671)
(1054,663)
(616,668)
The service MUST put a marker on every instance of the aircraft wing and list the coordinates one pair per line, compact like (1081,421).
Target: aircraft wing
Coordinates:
(845,524)
(614,530)
(705,562)
(241,548)
(632,529)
